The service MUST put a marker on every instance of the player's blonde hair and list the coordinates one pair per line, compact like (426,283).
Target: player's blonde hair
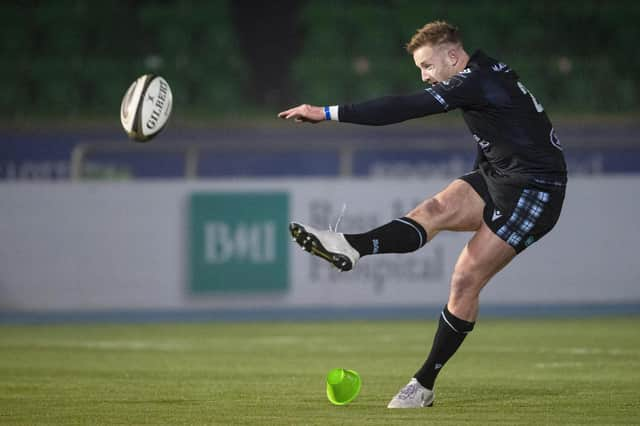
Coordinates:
(434,33)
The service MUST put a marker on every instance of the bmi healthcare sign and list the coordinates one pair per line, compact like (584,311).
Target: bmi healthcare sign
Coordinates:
(238,242)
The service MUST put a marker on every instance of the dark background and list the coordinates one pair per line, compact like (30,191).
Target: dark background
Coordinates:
(75,58)
(232,65)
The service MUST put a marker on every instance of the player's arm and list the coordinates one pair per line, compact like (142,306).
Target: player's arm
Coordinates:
(377,112)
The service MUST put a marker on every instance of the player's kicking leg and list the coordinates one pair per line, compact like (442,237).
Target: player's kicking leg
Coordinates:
(457,208)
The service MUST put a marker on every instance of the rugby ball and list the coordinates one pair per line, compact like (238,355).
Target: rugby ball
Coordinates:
(146,107)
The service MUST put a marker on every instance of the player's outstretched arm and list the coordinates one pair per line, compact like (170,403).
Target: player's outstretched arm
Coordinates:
(304,113)
(375,112)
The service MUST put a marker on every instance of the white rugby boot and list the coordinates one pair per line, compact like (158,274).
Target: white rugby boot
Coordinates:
(413,395)
(330,246)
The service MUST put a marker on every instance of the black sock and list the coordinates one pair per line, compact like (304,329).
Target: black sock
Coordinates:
(451,332)
(402,235)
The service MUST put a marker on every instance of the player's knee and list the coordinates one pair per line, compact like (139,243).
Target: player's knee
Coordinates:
(464,285)
(430,209)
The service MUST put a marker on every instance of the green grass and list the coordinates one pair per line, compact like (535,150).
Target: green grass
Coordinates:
(508,372)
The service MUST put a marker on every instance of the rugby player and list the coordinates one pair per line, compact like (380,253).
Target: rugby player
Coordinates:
(511,198)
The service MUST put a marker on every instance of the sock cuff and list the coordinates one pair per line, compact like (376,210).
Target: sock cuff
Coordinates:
(458,325)
(422,234)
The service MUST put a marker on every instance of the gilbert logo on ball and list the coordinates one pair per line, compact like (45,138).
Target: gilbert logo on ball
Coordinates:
(146,107)
(343,386)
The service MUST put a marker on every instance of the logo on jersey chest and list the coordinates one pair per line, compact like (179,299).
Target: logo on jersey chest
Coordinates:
(500,67)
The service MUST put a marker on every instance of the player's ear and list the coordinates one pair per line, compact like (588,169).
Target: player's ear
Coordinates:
(452,57)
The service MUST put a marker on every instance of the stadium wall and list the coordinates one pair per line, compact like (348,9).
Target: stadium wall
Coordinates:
(223,244)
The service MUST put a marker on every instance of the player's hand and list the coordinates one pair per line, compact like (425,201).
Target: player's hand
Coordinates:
(304,114)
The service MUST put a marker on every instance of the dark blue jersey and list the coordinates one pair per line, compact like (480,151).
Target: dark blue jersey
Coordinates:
(516,141)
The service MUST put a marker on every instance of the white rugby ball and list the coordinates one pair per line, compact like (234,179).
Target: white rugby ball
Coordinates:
(146,107)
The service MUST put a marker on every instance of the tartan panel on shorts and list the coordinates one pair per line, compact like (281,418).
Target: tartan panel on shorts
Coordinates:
(529,208)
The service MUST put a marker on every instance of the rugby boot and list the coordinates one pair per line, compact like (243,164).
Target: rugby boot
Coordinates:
(413,395)
(328,245)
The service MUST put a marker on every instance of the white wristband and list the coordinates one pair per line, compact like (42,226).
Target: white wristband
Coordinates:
(333,111)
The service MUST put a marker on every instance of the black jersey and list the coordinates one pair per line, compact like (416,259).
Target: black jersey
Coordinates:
(516,141)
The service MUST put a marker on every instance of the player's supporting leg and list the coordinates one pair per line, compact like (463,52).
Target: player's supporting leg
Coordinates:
(457,208)
(480,260)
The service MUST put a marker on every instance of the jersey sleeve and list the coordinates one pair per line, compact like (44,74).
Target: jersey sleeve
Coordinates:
(390,109)
(463,90)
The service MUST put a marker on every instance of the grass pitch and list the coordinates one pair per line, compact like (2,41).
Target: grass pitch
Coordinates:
(508,371)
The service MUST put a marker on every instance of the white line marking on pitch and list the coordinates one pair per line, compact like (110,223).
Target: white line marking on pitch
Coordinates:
(570,351)
(135,345)
(559,364)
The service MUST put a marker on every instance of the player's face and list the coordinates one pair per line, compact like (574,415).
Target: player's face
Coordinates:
(434,63)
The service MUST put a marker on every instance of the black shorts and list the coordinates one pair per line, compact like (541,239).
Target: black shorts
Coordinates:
(530,212)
